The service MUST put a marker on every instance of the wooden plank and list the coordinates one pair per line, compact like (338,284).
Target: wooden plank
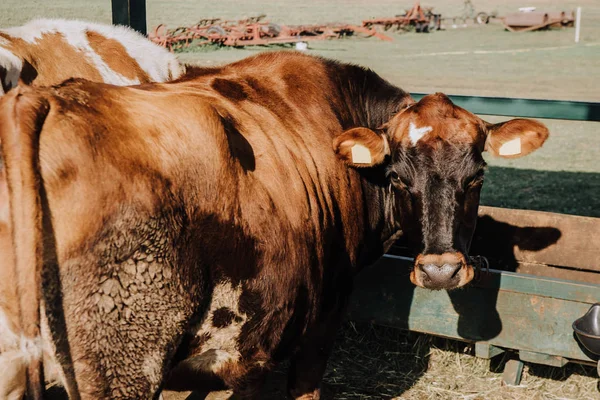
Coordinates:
(486,350)
(539,358)
(537,237)
(557,272)
(507,310)
(513,371)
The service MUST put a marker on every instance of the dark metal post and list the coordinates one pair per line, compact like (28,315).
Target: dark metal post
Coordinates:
(130,13)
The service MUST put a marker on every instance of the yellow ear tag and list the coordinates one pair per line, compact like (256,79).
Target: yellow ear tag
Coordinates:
(360,154)
(510,148)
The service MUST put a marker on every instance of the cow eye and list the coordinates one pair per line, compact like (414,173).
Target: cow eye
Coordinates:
(396,180)
(475,181)
(394,176)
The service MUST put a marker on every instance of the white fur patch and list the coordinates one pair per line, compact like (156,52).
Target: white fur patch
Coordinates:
(10,341)
(157,62)
(510,148)
(221,346)
(13,381)
(361,154)
(31,348)
(415,134)
(13,65)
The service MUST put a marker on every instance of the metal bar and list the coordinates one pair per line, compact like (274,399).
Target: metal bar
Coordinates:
(130,13)
(531,108)
(541,286)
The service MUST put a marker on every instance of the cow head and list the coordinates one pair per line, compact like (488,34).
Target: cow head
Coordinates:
(431,155)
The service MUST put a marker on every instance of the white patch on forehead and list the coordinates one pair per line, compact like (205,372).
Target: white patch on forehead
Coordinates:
(361,154)
(415,134)
(12,65)
(220,346)
(510,148)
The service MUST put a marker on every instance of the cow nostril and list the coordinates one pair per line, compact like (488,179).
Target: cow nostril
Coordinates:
(441,274)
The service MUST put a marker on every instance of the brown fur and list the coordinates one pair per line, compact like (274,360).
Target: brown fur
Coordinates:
(115,56)
(8,281)
(53,67)
(20,148)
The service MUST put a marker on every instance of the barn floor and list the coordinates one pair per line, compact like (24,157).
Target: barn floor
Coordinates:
(374,362)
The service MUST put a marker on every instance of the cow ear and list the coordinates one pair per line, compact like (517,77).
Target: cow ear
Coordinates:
(515,138)
(10,70)
(361,147)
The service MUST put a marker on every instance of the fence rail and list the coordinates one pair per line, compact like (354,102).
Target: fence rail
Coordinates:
(531,108)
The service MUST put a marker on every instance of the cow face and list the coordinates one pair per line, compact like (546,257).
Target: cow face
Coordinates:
(431,153)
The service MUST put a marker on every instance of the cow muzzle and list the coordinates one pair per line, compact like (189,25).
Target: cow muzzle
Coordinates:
(441,271)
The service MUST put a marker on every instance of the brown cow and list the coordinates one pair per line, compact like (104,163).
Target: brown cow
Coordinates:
(192,234)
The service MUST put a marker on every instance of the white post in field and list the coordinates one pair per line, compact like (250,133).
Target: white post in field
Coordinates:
(577,24)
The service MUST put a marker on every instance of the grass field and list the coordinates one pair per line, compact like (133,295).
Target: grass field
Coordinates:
(371,362)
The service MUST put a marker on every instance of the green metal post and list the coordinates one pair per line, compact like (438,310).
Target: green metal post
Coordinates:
(130,13)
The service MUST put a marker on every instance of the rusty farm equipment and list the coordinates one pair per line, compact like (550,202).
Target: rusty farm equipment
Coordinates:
(253,31)
(537,20)
(468,13)
(417,18)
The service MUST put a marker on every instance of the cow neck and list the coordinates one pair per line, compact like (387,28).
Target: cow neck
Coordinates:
(381,229)
(361,98)
(364,99)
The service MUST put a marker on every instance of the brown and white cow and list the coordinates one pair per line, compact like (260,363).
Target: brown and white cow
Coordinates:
(192,234)
(46,52)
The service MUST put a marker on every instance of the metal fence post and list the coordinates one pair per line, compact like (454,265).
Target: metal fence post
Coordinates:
(130,13)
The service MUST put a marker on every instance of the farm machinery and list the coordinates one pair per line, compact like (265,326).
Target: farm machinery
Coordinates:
(469,13)
(532,20)
(423,19)
(417,18)
(254,31)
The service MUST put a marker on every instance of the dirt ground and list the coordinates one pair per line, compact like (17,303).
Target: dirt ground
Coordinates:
(374,362)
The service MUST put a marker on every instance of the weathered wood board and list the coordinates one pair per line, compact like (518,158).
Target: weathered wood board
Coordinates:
(538,237)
